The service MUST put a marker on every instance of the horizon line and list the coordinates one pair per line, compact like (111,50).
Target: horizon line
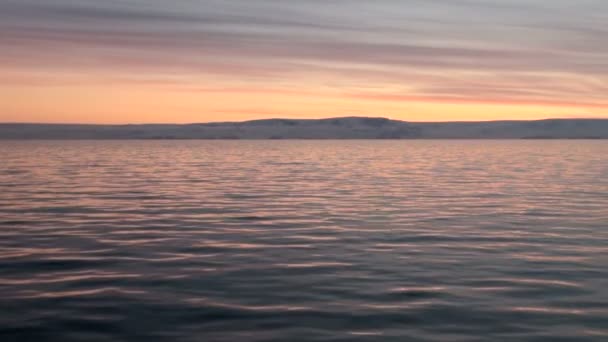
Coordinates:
(300,119)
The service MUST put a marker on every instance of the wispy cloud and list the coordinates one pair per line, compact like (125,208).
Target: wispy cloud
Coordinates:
(545,51)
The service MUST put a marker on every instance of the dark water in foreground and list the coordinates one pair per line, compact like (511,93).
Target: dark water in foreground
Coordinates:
(304,240)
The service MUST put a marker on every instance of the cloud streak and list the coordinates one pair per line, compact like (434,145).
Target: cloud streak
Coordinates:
(521,51)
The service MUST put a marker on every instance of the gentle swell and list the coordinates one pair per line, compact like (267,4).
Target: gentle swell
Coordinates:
(304,240)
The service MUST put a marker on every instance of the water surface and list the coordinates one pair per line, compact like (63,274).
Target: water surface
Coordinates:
(304,240)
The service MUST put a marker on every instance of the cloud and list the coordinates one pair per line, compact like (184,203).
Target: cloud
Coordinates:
(404,45)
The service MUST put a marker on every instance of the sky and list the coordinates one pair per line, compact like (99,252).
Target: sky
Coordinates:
(183,61)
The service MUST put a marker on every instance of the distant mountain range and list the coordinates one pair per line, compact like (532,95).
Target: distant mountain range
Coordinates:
(333,128)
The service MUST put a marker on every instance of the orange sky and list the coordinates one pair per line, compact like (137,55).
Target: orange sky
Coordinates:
(112,103)
(210,61)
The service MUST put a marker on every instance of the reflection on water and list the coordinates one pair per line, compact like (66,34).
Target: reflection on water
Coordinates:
(304,240)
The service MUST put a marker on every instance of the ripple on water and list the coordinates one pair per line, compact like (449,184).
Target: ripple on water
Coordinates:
(304,240)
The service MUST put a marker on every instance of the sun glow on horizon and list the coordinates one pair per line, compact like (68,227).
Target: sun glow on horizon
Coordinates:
(128,104)
(208,61)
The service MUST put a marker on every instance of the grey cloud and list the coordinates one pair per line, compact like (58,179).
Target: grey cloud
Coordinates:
(381,41)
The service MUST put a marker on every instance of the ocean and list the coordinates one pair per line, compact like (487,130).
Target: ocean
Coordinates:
(355,240)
